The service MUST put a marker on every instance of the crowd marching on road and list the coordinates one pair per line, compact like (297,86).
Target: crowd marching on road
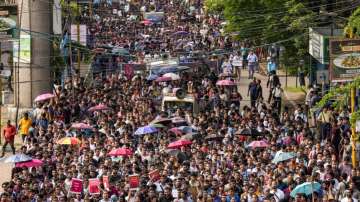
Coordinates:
(113,141)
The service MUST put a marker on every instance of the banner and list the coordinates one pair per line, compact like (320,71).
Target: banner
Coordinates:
(134,181)
(345,59)
(154,175)
(106,183)
(94,186)
(76,186)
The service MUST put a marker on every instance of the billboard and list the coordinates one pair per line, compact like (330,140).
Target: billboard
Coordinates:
(345,59)
(319,46)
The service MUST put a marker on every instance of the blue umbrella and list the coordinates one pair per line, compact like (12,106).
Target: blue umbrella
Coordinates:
(283,156)
(17,158)
(187,129)
(146,130)
(152,77)
(306,188)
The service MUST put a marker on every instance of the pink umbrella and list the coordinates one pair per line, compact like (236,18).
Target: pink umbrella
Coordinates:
(176,131)
(163,79)
(121,152)
(146,22)
(258,144)
(44,97)
(179,143)
(29,164)
(99,107)
(81,126)
(225,83)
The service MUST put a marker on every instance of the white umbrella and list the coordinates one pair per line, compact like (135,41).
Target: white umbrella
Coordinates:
(173,76)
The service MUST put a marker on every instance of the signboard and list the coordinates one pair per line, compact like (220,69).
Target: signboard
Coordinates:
(76,186)
(94,184)
(24,45)
(345,59)
(8,22)
(319,46)
(322,76)
(83,33)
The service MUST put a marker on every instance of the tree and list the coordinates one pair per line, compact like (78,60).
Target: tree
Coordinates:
(352,28)
(264,22)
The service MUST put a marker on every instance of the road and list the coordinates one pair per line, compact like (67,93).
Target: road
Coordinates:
(243,84)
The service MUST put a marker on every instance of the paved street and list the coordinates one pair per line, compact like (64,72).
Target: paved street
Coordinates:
(244,82)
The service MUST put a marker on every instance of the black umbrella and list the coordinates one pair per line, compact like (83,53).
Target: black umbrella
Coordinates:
(248,132)
(214,137)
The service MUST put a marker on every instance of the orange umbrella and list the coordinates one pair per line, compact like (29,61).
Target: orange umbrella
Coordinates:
(69,141)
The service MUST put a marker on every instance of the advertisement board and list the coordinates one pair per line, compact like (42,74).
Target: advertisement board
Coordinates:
(319,46)
(344,59)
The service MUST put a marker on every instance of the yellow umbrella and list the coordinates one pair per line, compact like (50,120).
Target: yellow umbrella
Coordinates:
(69,141)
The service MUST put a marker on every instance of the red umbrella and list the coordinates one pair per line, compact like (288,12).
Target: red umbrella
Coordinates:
(121,152)
(29,164)
(225,83)
(179,143)
(99,107)
(163,79)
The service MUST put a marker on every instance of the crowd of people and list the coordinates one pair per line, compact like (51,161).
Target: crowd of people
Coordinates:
(231,152)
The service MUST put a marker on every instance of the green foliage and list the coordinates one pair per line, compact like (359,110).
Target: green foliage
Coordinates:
(269,21)
(340,97)
(352,28)
(214,6)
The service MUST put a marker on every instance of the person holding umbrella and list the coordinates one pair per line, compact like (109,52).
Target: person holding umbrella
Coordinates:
(9,135)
